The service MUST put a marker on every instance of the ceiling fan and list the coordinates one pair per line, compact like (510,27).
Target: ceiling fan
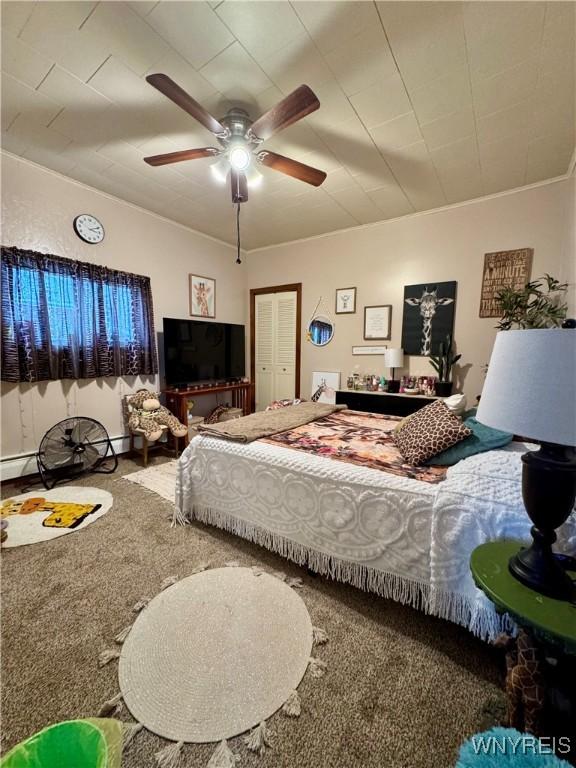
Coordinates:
(240,138)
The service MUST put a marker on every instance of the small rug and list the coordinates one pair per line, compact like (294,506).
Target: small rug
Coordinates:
(44,515)
(215,655)
(160,479)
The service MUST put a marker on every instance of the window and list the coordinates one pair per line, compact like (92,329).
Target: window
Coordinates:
(69,319)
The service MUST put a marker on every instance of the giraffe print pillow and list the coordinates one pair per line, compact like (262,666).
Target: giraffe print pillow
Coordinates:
(431,430)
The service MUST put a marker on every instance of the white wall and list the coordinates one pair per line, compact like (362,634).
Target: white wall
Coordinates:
(443,245)
(38,208)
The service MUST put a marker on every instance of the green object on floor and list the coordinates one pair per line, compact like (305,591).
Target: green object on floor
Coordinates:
(551,621)
(91,743)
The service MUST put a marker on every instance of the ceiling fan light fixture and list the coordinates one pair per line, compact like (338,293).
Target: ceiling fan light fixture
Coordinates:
(220,170)
(239,157)
(253,177)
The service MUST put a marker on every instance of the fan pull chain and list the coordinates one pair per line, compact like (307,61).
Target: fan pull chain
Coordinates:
(238,233)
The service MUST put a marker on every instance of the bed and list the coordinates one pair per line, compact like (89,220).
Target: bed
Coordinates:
(334,495)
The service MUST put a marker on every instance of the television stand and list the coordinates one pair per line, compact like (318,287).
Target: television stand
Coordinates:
(177,397)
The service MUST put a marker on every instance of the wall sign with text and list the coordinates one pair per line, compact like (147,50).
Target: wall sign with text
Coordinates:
(503,269)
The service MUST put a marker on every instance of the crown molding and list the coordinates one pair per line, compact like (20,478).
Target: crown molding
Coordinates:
(108,196)
(429,212)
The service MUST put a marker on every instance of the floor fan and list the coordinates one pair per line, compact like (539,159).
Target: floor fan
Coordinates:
(72,448)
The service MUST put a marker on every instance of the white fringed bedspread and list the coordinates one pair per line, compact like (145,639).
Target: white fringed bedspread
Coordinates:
(401,538)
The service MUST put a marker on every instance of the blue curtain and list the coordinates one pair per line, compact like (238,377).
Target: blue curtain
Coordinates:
(65,319)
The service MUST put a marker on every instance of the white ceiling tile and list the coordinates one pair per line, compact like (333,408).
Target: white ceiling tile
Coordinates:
(235,68)
(361,61)
(72,93)
(506,122)
(508,87)
(357,203)
(54,29)
(53,160)
(20,98)
(13,143)
(373,173)
(415,172)
(277,25)
(503,163)
(334,107)
(296,63)
(15,15)
(391,200)
(442,96)
(465,184)
(85,158)
(339,180)
(400,132)
(126,35)
(459,154)
(143,7)
(548,156)
(449,129)
(427,38)
(89,128)
(560,24)
(331,23)
(23,62)
(38,136)
(499,35)
(553,113)
(193,29)
(381,102)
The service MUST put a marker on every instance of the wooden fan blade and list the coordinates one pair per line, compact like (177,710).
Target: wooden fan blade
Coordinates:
(239,187)
(295,106)
(178,157)
(291,168)
(171,90)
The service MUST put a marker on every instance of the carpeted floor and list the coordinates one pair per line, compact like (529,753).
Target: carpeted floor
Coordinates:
(403,690)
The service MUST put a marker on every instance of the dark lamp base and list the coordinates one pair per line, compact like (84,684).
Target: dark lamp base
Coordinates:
(543,572)
(549,491)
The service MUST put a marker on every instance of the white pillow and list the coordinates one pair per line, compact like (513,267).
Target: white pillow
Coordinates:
(456,404)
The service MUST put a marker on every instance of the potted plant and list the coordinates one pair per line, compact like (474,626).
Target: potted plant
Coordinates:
(442,364)
(538,304)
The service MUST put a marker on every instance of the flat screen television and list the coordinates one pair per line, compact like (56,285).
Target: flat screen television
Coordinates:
(197,351)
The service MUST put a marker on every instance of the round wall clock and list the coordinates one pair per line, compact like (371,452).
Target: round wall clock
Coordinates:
(88,228)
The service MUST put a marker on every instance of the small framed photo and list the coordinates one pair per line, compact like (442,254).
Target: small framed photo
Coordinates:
(378,322)
(345,301)
(202,296)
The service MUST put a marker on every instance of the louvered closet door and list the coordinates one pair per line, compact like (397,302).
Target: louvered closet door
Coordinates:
(275,349)
(264,350)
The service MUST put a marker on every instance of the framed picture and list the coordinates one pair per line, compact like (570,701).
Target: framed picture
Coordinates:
(202,296)
(324,386)
(503,269)
(377,322)
(428,317)
(345,301)
(369,350)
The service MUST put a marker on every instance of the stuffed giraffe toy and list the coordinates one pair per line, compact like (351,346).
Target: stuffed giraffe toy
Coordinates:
(524,681)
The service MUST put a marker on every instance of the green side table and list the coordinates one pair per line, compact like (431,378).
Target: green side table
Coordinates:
(547,627)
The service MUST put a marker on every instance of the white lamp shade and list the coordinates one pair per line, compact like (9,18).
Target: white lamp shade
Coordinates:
(530,387)
(394,358)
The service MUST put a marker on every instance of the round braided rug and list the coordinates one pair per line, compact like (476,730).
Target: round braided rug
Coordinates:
(215,654)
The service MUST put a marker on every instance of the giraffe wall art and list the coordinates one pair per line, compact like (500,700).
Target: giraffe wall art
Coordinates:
(428,317)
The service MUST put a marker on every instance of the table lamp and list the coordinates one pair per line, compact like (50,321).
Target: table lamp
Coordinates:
(393,358)
(530,390)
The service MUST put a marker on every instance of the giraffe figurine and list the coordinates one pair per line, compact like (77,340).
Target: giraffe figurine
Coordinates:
(524,681)
(428,303)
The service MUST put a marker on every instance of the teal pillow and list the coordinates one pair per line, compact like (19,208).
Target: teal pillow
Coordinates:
(482,439)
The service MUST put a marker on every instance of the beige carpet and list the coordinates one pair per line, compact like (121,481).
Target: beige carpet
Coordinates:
(402,690)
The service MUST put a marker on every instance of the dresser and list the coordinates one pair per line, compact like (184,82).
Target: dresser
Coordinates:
(392,404)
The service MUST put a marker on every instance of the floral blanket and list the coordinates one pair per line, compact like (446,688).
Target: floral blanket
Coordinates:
(358,438)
